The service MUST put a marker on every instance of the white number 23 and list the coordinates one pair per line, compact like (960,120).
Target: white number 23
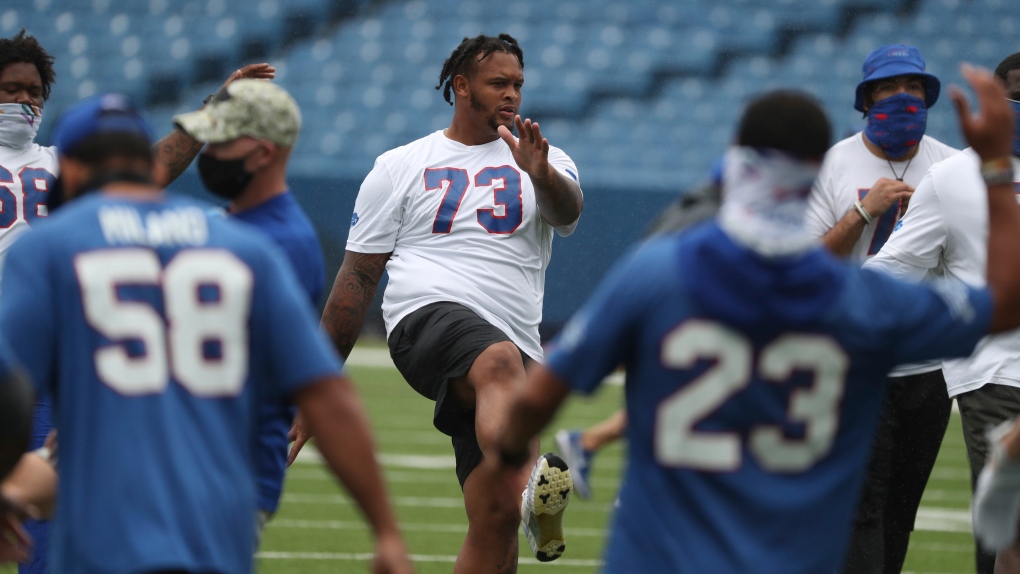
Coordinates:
(677,443)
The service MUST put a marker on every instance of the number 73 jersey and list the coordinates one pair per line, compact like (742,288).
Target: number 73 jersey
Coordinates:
(753,391)
(463,225)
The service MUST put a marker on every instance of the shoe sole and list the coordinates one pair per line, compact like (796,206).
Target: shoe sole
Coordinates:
(544,500)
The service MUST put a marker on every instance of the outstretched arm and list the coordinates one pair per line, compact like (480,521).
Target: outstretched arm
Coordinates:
(335,415)
(990,134)
(175,152)
(559,198)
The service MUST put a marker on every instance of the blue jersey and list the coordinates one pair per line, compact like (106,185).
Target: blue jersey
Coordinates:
(283,220)
(156,330)
(753,389)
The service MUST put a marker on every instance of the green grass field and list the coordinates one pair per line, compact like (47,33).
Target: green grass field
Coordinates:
(319,530)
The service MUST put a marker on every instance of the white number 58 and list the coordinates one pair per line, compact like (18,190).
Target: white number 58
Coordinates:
(176,345)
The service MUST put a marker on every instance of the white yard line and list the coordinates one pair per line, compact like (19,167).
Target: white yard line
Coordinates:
(350,556)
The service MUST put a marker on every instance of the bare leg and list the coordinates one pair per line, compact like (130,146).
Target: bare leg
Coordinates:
(492,499)
(610,430)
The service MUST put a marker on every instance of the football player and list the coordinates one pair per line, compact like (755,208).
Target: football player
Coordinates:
(28,171)
(157,329)
(463,221)
(944,231)
(861,191)
(756,361)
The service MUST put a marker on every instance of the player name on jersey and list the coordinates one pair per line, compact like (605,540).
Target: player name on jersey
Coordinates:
(173,227)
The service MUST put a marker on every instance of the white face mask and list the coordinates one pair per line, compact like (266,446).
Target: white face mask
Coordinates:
(765,196)
(18,125)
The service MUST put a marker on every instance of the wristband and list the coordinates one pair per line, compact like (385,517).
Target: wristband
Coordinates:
(864,212)
(998,171)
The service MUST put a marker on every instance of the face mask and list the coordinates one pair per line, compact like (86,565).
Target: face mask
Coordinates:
(765,197)
(1016,128)
(897,124)
(225,178)
(18,125)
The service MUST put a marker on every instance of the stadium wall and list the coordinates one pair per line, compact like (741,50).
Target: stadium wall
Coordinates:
(613,220)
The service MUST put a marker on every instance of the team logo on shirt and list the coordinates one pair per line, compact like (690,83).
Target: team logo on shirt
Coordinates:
(354,219)
(899,224)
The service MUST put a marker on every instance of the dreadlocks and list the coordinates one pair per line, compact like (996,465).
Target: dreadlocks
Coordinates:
(25,48)
(463,60)
(1012,62)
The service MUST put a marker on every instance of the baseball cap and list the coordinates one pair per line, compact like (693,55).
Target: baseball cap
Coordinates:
(105,113)
(896,60)
(254,108)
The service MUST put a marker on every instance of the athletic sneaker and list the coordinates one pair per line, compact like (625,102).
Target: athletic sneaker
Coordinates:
(578,459)
(542,506)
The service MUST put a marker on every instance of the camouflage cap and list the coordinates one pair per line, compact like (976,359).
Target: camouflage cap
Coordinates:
(254,108)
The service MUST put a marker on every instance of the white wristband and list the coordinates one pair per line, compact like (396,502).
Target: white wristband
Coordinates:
(864,212)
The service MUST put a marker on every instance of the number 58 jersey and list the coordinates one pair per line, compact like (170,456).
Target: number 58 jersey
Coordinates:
(753,391)
(156,329)
(463,225)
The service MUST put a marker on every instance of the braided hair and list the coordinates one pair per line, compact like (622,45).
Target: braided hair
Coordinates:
(463,59)
(24,48)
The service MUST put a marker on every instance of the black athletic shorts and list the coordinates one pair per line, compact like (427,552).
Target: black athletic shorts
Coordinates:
(434,345)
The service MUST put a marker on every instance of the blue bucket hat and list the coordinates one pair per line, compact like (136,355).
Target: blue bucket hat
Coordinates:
(896,60)
(104,113)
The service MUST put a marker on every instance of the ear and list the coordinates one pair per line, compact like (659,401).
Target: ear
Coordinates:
(461,86)
(264,155)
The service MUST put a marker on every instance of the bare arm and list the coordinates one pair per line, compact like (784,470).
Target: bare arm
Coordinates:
(840,240)
(175,152)
(560,200)
(32,483)
(333,411)
(532,407)
(990,135)
(352,293)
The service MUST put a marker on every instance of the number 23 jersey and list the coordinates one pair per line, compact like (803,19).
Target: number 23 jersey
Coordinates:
(463,225)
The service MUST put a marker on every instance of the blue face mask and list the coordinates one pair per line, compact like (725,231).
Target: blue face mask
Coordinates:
(1016,128)
(897,124)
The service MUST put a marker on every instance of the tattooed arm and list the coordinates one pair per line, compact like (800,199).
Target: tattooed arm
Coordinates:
(352,293)
(173,154)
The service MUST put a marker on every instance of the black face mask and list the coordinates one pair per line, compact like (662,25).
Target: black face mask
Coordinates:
(225,178)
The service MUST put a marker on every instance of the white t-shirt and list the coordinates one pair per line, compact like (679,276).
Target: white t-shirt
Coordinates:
(463,225)
(25,176)
(946,227)
(848,172)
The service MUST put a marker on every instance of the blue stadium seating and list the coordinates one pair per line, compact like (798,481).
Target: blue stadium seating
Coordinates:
(642,93)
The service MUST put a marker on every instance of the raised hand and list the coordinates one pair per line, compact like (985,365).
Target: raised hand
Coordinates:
(531,151)
(990,131)
(261,71)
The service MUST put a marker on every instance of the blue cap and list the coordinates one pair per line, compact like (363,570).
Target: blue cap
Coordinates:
(896,60)
(106,113)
